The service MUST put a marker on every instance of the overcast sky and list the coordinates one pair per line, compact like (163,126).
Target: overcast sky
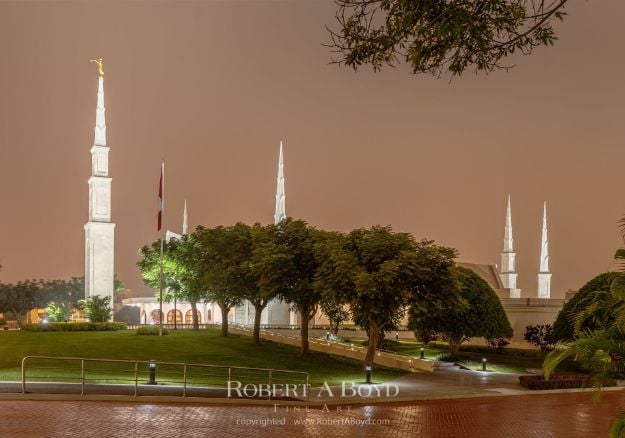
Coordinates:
(212,88)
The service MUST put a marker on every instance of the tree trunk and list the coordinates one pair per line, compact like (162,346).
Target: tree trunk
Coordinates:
(380,340)
(305,347)
(196,326)
(224,319)
(454,345)
(258,311)
(374,333)
(334,328)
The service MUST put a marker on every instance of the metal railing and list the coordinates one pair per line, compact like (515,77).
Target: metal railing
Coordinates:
(172,378)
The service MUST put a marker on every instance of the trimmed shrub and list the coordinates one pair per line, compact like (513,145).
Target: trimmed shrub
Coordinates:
(151,330)
(75,327)
(560,382)
(441,345)
(540,335)
(499,343)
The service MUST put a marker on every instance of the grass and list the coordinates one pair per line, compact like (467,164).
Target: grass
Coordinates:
(186,346)
(509,361)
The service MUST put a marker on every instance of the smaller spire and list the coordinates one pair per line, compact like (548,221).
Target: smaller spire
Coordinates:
(185,219)
(280,213)
(508,242)
(544,247)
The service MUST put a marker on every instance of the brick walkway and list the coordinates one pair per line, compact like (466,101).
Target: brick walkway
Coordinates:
(549,415)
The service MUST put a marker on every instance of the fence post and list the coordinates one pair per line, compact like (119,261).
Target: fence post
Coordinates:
(270,390)
(24,375)
(184,378)
(136,377)
(82,377)
(229,379)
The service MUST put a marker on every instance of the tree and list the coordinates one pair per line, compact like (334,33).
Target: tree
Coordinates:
(336,311)
(285,260)
(21,297)
(378,272)
(564,325)
(435,37)
(223,265)
(540,335)
(180,271)
(97,308)
(477,313)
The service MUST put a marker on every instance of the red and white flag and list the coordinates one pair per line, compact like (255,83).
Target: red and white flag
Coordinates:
(161,196)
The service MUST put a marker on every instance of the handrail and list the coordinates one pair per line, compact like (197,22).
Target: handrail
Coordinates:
(185,375)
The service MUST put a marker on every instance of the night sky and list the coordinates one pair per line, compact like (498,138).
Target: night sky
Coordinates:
(212,88)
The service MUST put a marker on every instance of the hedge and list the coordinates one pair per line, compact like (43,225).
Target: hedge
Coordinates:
(75,327)
(151,330)
(560,382)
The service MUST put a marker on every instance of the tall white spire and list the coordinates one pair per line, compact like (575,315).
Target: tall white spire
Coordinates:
(544,276)
(99,231)
(280,213)
(185,219)
(507,271)
(508,243)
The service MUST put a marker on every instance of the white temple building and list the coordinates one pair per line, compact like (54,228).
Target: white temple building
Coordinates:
(99,230)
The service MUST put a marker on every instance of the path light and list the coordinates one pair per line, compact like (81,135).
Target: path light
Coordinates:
(45,321)
(152,366)
(483,364)
(421,353)
(397,336)
(327,335)
(368,374)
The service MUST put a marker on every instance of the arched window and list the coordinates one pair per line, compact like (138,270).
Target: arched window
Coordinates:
(170,317)
(209,315)
(154,316)
(188,317)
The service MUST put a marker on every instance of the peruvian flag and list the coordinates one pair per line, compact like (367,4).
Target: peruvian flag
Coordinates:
(161,196)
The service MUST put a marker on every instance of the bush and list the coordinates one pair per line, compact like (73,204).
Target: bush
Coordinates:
(499,343)
(560,382)
(540,335)
(441,345)
(446,357)
(2,322)
(151,330)
(75,327)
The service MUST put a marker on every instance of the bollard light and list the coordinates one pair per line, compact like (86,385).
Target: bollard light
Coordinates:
(368,374)
(421,353)
(396,336)
(152,366)
(327,335)
(483,364)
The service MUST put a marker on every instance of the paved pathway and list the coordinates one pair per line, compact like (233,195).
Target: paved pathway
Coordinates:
(548,415)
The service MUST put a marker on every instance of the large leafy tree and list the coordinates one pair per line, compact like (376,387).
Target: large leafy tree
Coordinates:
(477,313)
(180,271)
(378,272)
(436,37)
(568,321)
(286,264)
(224,268)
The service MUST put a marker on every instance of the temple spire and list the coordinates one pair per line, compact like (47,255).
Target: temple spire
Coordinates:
(544,276)
(280,213)
(100,122)
(508,243)
(507,270)
(185,219)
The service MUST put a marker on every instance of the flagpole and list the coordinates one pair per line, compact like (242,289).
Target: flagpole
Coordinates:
(161,213)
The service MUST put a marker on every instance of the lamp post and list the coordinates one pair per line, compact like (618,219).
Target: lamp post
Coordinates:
(152,366)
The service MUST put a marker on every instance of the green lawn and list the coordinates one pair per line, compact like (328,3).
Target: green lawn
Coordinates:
(202,347)
(509,361)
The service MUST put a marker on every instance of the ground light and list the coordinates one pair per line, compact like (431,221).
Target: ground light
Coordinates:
(152,366)
(368,374)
